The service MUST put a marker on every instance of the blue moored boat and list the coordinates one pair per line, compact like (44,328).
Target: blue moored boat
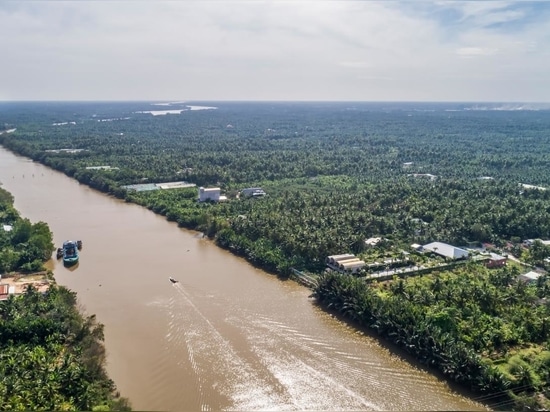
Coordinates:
(70,251)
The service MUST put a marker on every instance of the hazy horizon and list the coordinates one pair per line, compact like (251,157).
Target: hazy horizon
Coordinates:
(184,101)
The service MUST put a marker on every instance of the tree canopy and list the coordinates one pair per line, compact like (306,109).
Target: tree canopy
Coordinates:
(335,175)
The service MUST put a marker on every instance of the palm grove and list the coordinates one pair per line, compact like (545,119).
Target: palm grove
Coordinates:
(335,175)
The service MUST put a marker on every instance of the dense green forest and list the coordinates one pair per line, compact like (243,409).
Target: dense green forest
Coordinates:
(23,246)
(51,356)
(336,174)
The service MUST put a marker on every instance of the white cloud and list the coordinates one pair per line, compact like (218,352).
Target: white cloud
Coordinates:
(475,51)
(356,64)
(344,50)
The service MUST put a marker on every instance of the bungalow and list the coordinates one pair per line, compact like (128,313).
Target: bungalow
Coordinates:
(212,194)
(530,277)
(253,192)
(496,261)
(373,241)
(445,250)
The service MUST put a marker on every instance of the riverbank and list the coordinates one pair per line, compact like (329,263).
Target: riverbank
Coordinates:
(439,320)
(18,282)
(51,354)
(166,212)
(260,331)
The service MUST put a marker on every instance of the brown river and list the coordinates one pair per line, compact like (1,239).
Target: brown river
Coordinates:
(227,336)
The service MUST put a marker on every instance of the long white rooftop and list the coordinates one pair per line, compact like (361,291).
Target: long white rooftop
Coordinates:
(446,250)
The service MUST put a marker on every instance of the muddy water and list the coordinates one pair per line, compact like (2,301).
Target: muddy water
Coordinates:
(227,336)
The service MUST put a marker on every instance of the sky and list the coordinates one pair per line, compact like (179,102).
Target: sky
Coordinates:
(361,50)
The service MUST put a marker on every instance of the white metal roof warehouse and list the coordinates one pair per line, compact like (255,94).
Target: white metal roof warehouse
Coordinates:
(445,250)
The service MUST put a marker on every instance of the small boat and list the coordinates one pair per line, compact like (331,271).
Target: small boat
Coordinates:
(70,252)
(173,280)
(59,253)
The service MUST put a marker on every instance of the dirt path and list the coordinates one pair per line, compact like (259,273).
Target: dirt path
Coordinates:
(20,281)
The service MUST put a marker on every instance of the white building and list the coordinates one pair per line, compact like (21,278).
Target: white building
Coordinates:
(530,277)
(334,259)
(253,192)
(373,241)
(352,266)
(445,250)
(212,193)
(346,263)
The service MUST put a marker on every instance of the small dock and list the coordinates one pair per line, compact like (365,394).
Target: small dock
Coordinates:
(303,278)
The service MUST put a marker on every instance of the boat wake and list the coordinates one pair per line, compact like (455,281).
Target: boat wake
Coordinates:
(257,372)
(207,351)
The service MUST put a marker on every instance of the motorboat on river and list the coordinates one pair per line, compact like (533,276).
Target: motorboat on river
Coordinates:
(69,251)
(173,280)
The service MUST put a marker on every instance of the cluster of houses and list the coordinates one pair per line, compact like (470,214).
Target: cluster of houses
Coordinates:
(450,252)
(349,263)
(214,193)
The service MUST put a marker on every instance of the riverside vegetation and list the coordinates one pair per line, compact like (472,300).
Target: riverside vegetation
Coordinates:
(51,356)
(336,174)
